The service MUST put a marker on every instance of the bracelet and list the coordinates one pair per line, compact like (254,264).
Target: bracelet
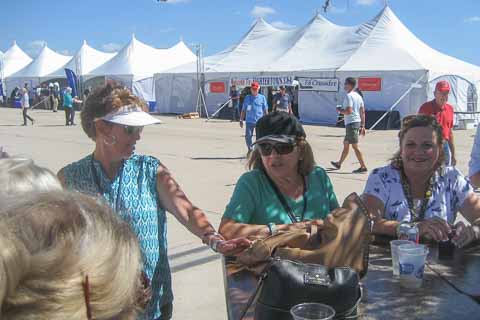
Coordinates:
(272,227)
(215,245)
(210,233)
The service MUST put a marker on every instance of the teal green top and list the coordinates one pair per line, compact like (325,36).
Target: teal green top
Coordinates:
(254,201)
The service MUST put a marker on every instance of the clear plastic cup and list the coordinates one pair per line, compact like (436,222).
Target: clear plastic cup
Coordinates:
(411,260)
(394,244)
(312,311)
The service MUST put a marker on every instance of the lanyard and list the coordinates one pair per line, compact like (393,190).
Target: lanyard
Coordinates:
(283,201)
(408,194)
(99,186)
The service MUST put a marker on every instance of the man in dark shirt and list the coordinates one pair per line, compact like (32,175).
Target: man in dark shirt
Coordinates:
(235,96)
(282,101)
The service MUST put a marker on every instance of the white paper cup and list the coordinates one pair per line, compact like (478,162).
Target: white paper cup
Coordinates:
(411,260)
(394,244)
(312,311)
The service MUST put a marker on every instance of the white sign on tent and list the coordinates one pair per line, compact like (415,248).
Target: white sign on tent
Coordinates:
(263,81)
(319,84)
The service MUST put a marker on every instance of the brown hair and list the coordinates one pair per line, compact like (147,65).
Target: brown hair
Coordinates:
(416,121)
(104,100)
(305,163)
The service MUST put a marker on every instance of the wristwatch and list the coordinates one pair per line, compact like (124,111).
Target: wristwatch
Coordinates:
(272,227)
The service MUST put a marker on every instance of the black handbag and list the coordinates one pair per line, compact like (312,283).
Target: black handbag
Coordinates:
(286,283)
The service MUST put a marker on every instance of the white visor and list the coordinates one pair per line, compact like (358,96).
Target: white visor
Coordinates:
(130,115)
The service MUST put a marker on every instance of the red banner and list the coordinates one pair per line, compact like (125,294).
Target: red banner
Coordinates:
(217,87)
(370,84)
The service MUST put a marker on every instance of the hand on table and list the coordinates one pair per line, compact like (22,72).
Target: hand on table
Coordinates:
(465,234)
(435,229)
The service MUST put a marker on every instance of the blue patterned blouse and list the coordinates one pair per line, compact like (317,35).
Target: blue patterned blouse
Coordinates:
(450,189)
(133,194)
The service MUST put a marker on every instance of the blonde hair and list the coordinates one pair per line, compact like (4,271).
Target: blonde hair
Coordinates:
(306,162)
(104,100)
(21,175)
(49,242)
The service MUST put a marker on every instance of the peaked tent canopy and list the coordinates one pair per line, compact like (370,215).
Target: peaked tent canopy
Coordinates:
(14,59)
(383,49)
(141,61)
(85,60)
(45,63)
(136,63)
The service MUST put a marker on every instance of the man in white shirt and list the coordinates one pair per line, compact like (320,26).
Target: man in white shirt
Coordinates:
(353,110)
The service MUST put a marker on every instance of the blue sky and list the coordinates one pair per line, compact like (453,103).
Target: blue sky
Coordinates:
(451,26)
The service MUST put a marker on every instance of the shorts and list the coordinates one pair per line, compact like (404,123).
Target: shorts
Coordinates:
(352,133)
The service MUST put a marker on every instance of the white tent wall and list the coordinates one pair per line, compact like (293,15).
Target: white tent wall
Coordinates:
(175,93)
(144,89)
(458,97)
(393,85)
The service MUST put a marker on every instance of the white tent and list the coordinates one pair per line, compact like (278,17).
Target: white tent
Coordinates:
(14,59)
(321,55)
(394,54)
(39,69)
(136,63)
(84,61)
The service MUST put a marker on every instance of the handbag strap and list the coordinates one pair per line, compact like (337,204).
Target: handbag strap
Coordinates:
(282,200)
(254,296)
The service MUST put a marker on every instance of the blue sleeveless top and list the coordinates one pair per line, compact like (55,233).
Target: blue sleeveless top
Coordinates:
(133,195)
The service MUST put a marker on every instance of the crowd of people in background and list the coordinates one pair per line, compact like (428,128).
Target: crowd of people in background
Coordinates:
(90,242)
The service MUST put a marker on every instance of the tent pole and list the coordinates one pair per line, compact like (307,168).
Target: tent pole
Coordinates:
(397,102)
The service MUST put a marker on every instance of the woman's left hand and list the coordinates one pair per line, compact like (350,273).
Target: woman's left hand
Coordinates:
(233,247)
(465,234)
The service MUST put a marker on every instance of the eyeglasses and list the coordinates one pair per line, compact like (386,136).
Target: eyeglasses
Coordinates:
(280,148)
(131,130)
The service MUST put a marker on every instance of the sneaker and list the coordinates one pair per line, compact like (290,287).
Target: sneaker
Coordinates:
(336,165)
(360,170)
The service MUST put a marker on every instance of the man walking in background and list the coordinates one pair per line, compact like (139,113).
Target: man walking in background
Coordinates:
(235,97)
(443,112)
(353,110)
(254,107)
(282,101)
(25,101)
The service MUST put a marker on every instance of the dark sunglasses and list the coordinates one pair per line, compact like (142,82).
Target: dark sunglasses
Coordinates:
(131,130)
(280,148)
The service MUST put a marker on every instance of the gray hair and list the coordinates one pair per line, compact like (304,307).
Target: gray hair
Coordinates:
(22,175)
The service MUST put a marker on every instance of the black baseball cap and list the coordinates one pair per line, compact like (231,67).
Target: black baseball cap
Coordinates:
(279,127)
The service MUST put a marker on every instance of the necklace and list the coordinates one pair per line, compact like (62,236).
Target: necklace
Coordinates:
(414,217)
(283,201)
(101,191)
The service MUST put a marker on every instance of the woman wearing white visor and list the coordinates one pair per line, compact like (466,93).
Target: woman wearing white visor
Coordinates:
(137,187)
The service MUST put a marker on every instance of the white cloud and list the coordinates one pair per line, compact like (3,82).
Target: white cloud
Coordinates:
(472,19)
(262,12)
(34,47)
(282,25)
(366,2)
(65,52)
(111,47)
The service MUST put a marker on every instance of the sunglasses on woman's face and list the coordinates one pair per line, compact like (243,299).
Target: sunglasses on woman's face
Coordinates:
(280,148)
(131,130)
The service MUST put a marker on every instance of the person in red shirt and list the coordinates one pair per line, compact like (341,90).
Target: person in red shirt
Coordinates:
(443,112)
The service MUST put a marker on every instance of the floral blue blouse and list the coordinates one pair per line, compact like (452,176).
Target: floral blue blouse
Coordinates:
(133,195)
(450,189)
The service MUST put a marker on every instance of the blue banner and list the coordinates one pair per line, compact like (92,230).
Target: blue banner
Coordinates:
(72,81)
(1,88)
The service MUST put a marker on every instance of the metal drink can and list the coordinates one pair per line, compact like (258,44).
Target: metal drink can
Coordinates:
(414,234)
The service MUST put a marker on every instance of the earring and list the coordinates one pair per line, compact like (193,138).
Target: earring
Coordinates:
(112,141)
